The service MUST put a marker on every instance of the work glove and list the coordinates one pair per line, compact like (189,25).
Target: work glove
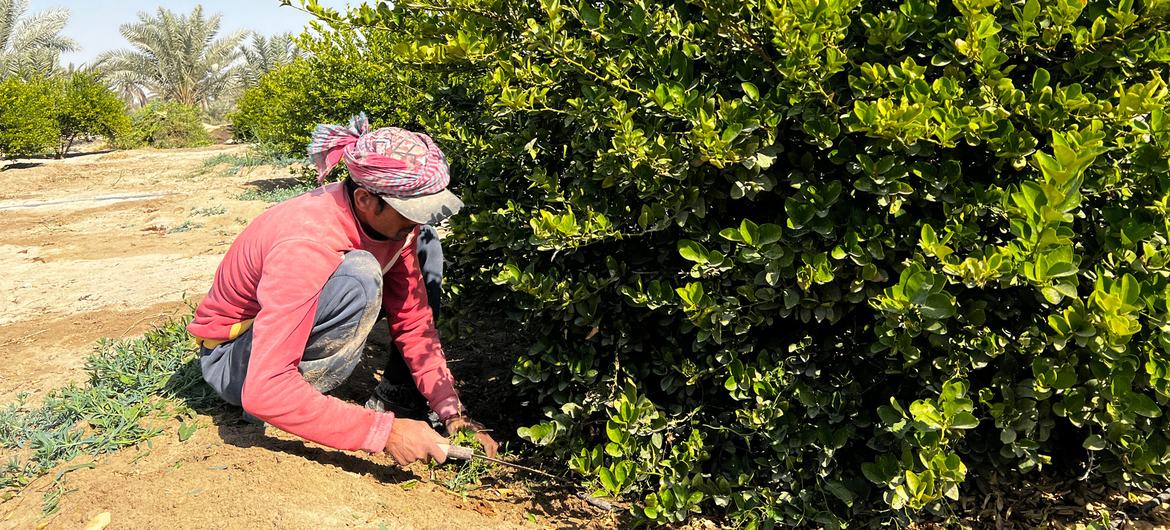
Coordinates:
(413,440)
(464,423)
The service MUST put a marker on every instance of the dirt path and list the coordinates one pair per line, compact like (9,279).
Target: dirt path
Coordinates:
(97,246)
(108,245)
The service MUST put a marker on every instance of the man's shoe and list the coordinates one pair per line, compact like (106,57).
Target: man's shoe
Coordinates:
(376,403)
(399,399)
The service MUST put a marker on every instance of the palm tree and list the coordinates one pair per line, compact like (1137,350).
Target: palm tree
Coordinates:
(266,54)
(31,44)
(175,57)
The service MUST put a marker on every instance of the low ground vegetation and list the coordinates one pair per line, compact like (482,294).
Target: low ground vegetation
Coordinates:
(302,177)
(134,387)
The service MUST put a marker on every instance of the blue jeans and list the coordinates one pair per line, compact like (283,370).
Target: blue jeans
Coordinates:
(347,308)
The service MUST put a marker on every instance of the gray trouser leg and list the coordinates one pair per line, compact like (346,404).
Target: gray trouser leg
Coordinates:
(430,260)
(347,309)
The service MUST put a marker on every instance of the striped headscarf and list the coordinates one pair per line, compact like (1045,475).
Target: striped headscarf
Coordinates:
(387,161)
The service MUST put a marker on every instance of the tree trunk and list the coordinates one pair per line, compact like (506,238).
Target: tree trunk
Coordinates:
(68,144)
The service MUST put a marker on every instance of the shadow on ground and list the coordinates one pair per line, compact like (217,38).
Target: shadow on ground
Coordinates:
(19,165)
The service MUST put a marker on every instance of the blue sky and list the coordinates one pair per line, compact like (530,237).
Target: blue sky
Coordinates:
(94,23)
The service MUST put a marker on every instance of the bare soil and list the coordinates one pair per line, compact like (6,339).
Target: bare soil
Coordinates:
(111,244)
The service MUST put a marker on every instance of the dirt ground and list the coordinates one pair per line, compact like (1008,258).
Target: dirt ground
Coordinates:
(110,244)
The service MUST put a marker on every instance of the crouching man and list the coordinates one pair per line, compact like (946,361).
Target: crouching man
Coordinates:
(300,289)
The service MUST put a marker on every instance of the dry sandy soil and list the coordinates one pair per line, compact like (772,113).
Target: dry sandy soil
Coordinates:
(110,244)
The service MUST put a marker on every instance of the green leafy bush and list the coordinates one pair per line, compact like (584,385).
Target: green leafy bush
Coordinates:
(86,107)
(344,74)
(272,111)
(27,126)
(813,261)
(167,125)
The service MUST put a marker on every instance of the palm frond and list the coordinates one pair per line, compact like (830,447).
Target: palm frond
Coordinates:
(180,57)
(42,31)
(10,13)
(265,54)
(31,44)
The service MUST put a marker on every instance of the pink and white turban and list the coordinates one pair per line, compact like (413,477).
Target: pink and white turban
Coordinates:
(405,168)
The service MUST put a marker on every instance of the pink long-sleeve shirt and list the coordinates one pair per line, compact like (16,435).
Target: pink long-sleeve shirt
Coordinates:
(272,276)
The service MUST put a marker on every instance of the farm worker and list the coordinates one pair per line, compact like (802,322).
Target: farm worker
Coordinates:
(300,289)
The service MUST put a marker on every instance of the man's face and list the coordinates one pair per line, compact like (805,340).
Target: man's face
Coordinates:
(379,216)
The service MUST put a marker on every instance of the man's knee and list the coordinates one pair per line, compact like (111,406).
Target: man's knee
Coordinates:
(356,284)
(347,306)
(361,265)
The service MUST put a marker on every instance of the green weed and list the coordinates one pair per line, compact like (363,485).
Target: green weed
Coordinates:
(51,502)
(279,194)
(209,211)
(183,227)
(468,472)
(258,156)
(133,387)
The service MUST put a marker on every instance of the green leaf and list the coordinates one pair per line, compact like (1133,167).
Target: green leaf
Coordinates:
(750,232)
(1094,443)
(839,490)
(926,413)
(590,15)
(964,420)
(752,92)
(1130,290)
(939,306)
(1061,269)
(615,432)
(1031,10)
(187,429)
(607,480)
(692,251)
(1051,294)
(731,234)
(769,233)
(1040,79)
(873,472)
(622,470)
(1066,377)
(691,294)
(1143,405)
(1051,169)
(916,286)
(912,482)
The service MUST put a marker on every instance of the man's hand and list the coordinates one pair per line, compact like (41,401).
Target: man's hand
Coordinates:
(463,423)
(413,440)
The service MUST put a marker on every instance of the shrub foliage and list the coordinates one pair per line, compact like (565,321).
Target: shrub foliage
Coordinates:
(27,126)
(86,107)
(806,261)
(167,124)
(341,75)
(41,115)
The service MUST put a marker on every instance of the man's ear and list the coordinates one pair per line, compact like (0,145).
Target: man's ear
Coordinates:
(366,202)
